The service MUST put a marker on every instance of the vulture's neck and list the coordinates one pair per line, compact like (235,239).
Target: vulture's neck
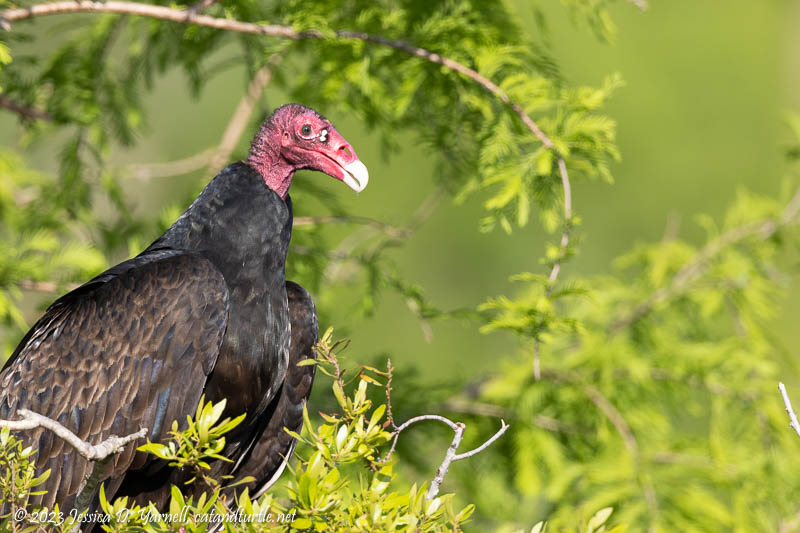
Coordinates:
(236,217)
(267,160)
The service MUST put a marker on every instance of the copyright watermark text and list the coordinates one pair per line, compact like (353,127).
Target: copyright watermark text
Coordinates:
(150,516)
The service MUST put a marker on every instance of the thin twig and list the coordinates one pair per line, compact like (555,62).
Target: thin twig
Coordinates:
(388,229)
(24,111)
(794,424)
(641,4)
(614,416)
(388,388)
(405,425)
(345,248)
(562,167)
(96,452)
(458,433)
(274,30)
(451,455)
(172,168)
(475,451)
(243,112)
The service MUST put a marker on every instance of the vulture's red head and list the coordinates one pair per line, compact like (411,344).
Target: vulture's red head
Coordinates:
(296,137)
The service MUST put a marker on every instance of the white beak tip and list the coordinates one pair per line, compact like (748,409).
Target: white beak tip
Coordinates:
(356,175)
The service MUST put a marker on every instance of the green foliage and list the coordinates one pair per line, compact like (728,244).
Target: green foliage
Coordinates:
(202,441)
(658,394)
(657,387)
(325,489)
(18,479)
(595,14)
(37,240)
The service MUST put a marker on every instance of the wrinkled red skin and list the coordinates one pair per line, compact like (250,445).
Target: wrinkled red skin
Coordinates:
(307,141)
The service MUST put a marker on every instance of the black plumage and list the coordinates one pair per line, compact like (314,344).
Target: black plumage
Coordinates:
(205,310)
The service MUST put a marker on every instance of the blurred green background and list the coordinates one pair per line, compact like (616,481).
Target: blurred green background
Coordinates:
(707,84)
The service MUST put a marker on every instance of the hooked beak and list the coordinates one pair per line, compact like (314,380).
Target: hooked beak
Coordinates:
(337,158)
(356,175)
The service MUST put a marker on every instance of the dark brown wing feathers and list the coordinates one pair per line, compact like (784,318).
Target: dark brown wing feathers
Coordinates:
(103,356)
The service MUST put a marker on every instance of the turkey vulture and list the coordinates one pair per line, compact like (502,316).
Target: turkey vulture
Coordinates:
(205,309)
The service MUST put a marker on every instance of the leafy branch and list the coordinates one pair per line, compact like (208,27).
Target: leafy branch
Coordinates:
(693,270)
(191,16)
(202,441)
(328,363)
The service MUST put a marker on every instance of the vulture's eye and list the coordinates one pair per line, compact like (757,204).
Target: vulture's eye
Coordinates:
(306,130)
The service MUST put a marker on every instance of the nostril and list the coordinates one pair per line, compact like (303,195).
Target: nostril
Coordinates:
(346,150)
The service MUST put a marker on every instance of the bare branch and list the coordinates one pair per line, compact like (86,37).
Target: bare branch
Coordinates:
(274,30)
(22,110)
(238,123)
(172,168)
(562,167)
(794,424)
(96,452)
(503,428)
(405,425)
(451,455)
